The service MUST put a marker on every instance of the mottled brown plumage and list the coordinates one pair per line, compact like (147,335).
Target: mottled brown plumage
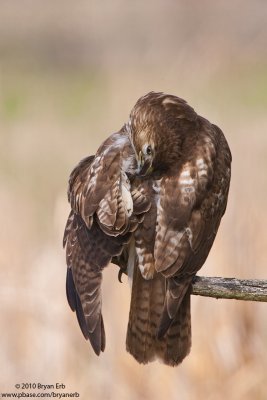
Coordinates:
(151,200)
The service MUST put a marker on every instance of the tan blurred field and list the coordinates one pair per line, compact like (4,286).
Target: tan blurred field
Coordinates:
(69,74)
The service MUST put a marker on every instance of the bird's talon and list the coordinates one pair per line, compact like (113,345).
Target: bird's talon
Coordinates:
(121,272)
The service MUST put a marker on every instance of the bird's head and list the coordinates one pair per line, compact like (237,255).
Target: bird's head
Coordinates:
(157,126)
(145,148)
(145,159)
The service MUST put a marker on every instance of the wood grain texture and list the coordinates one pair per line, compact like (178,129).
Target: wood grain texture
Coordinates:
(230,288)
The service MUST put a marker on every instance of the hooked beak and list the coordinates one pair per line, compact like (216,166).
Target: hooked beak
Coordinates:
(144,166)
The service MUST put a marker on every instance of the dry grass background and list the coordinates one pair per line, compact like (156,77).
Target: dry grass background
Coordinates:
(69,74)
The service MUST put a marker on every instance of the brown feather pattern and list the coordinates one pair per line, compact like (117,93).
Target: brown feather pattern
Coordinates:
(151,200)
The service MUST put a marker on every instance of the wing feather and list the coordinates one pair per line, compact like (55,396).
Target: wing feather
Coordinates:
(104,215)
(192,202)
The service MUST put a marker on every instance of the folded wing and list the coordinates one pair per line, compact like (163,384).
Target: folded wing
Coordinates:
(105,212)
(192,202)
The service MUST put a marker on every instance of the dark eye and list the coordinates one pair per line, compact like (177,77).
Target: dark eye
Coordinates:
(148,150)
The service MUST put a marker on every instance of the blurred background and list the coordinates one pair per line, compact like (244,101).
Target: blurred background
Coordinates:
(70,72)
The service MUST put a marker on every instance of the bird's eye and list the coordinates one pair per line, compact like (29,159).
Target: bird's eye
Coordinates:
(148,150)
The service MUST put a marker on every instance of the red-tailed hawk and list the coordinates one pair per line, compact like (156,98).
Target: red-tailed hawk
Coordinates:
(151,201)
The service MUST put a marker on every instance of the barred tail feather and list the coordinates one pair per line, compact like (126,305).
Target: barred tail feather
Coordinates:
(145,312)
(147,304)
(177,341)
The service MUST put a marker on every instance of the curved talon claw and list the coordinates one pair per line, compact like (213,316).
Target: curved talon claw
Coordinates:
(120,273)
